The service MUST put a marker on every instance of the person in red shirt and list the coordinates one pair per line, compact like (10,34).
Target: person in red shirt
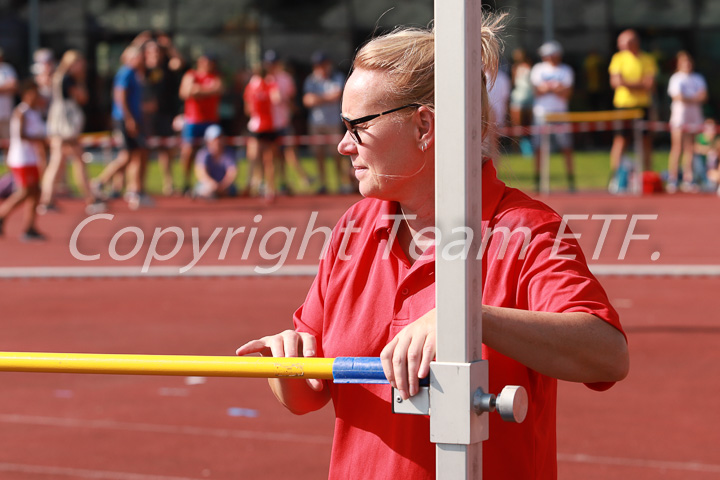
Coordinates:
(201,90)
(260,96)
(545,317)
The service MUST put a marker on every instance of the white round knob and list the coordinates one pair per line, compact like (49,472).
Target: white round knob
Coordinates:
(512,404)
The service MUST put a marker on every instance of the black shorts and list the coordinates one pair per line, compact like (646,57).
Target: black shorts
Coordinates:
(629,132)
(159,125)
(125,141)
(266,136)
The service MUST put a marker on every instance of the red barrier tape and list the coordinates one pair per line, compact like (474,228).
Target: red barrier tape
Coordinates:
(602,126)
(107,141)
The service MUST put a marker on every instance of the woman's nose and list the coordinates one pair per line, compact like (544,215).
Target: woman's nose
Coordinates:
(347,145)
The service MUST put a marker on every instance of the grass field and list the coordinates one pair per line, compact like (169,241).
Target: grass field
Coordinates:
(592,172)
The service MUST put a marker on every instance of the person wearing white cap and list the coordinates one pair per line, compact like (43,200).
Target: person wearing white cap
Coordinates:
(553,82)
(215,167)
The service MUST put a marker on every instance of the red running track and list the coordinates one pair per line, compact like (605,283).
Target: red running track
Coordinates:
(661,422)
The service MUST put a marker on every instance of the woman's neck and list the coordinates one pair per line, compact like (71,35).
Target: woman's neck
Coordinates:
(416,233)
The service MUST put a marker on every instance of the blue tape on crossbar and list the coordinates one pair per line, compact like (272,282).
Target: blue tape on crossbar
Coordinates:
(362,370)
(358,370)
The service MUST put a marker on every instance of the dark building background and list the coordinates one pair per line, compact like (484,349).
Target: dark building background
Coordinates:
(239,30)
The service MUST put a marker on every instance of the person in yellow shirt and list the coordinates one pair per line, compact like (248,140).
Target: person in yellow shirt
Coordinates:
(632,75)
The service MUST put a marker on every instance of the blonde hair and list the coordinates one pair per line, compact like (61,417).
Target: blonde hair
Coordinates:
(407,56)
(491,49)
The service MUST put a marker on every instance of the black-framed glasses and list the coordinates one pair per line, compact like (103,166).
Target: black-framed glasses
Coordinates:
(350,124)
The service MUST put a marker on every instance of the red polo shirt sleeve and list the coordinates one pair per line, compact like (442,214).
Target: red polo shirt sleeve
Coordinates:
(554,277)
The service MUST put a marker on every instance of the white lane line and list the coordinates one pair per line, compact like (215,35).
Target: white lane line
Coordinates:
(656,270)
(167,429)
(311,270)
(54,472)
(136,272)
(639,462)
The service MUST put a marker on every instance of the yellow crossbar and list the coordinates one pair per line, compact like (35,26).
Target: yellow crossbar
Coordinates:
(183,365)
(602,116)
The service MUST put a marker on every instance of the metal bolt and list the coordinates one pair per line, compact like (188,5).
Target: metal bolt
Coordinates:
(398,399)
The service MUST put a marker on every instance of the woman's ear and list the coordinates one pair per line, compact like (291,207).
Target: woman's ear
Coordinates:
(425,123)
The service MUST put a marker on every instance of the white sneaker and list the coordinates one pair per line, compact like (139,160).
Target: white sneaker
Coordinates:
(614,186)
(689,187)
(133,200)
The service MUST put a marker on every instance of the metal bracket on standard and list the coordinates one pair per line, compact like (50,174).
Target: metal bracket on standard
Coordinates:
(418,404)
(457,399)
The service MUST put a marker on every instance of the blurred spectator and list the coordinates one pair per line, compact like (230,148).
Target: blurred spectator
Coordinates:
(521,97)
(322,95)
(688,91)
(65,124)
(8,87)
(553,84)
(499,96)
(160,100)
(201,89)
(705,160)
(26,129)
(128,128)
(282,112)
(42,70)
(215,166)
(632,75)
(593,67)
(261,94)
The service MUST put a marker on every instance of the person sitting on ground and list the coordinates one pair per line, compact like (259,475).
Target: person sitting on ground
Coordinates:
(215,167)
(544,315)
(27,133)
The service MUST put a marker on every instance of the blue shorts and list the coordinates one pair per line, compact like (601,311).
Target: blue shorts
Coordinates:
(194,131)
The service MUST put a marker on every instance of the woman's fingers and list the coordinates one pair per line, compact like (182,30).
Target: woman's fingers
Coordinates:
(285,344)
(386,357)
(309,349)
(407,357)
(428,355)
(309,345)
(253,346)
(400,365)
(414,360)
(290,343)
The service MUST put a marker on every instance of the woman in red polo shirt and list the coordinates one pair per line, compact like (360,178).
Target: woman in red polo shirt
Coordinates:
(545,317)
